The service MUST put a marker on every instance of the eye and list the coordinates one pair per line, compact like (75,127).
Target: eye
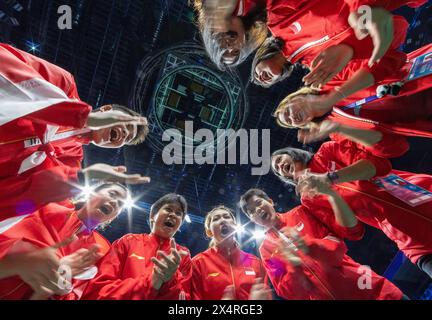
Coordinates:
(179,213)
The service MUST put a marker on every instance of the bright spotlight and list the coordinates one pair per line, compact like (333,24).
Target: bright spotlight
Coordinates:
(128,203)
(258,234)
(240,229)
(86,191)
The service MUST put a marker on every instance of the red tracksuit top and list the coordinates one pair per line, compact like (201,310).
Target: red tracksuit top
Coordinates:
(409,113)
(125,273)
(309,27)
(18,66)
(409,227)
(326,273)
(215,269)
(46,227)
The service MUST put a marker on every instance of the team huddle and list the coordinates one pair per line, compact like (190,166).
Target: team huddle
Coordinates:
(363,96)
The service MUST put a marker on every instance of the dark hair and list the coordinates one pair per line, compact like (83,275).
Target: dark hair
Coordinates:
(270,47)
(79,204)
(249,194)
(142,129)
(256,31)
(167,199)
(300,155)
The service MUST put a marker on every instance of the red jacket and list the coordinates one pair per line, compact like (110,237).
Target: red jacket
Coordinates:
(409,227)
(125,273)
(45,227)
(215,269)
(408,113)
(58,109)
(245,6)
(326,272)
(309,27)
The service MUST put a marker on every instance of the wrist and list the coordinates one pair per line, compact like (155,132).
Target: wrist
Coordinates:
(333,177)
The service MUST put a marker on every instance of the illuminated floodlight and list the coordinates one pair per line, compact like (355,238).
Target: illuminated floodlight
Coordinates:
(188,219)
(258,234)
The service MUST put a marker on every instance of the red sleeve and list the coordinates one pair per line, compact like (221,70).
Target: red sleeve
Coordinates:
(327,218)
(390,146)
(329,250)
(64,114)
(387,4)
(6,244)
(289,282)
(244,7)
(179,287)
(394,59)
(347,153)
(108,284)
(39,188)
(196,286)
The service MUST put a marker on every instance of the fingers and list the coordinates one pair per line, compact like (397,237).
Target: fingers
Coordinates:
(137,179)
(159,263)
(228,293)
(170,262)
(382,37)
(65,242)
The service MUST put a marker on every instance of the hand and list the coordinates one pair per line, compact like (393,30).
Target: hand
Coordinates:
(327,65)
(39,269)
(228,293)
(317,131)
(82,259)
(260,291)
(293,240)
(303,109)
(288,254)
(311,184)
(99,120)
(380,28)
(166,266)
(100,171)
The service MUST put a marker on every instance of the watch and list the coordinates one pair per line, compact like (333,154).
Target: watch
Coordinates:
(333,177)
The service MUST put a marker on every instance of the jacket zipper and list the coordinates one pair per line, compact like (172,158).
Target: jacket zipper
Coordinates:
(232,273)
(314,43)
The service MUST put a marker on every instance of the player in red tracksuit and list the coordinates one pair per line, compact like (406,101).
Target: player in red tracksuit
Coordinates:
(357,173)
(25,195)
(43,124)
(408,113)
(34,248)
(147,266)
(305,261)
(224,270)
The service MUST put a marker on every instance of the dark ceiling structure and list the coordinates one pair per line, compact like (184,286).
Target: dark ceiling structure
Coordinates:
(147,54)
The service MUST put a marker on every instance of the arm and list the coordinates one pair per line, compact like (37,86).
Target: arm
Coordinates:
(329,250)
(289,282)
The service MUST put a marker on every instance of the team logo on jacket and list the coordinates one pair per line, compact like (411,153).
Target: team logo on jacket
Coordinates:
(250,272)
(214,274)
(296,27)
(134,255)
(299,227)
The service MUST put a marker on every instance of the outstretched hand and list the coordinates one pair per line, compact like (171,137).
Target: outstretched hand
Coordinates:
(100,171)
(99,120)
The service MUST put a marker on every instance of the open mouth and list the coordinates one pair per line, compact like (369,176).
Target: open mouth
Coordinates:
(169,224)
(225,230)
(286,169)
(115,135)
(264,215)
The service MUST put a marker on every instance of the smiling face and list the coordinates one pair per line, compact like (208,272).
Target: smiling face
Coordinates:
(115,136)
(232,41)
(104,205)
(167,220)
(285,166)
(221,225)
(261,211)
(268,71)
(293,115)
